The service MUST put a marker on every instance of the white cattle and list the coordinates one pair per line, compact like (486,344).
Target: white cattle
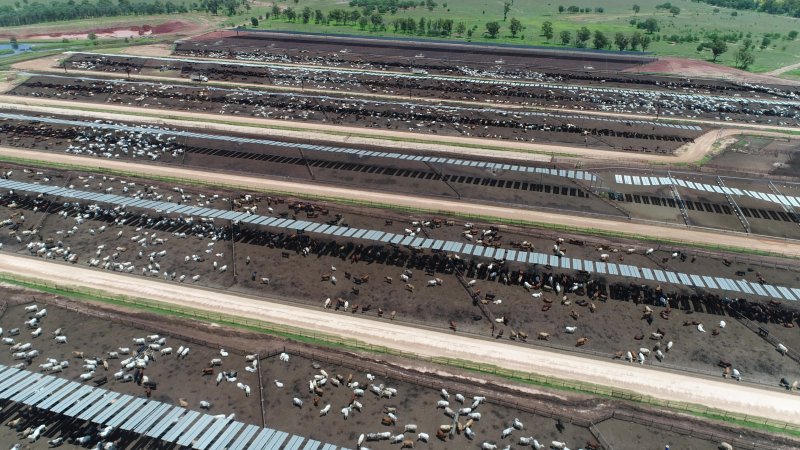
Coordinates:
(324,411)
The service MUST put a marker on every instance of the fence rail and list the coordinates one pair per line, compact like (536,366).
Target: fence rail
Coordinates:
(304,335)
(407,209)
(346,344)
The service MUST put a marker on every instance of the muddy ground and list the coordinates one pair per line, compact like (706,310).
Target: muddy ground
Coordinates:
(614,326)
(556,65)
(396,115)
(651,203)
(387,54)
(415,403)
(551,95)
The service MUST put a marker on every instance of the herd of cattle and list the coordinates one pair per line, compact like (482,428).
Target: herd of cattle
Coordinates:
(398,115)
(554,93)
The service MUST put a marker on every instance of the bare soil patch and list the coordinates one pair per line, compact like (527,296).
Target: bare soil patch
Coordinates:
(694,68)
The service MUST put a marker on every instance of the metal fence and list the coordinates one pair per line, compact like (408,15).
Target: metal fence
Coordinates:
(349,344)
(304,335)
(406,209)
(694,432)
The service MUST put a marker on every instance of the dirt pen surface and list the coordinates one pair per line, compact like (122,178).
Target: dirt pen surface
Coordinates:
(702,69)
(415,402)
(390,54)
(171,27)
(281,158)
(260,261)
(669,97)
(769,156)
(406,116)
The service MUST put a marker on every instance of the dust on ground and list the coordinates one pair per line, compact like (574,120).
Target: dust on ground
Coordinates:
(695,68)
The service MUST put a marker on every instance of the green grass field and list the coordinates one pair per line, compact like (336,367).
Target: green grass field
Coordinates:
(694,18)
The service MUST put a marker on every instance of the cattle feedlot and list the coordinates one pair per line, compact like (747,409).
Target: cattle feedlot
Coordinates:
(266,240)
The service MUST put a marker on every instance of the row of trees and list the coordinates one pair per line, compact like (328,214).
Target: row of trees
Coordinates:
(580,38)
(391,6)
(781,7)
(575,10)
(32,12)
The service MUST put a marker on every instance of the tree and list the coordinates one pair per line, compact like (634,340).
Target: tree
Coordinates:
(765,42)
(492,28)
(515,26)
(377,21)
(306,14)
(354,16)
(561,9)
(469,33)
(335,15)
(674,11)
(254,21)
(506,9)
(636,9)
(92,36)
(621,41)
(636,40)
(461,27)
(547,30)
(319,16)
(581,36)
(565,36)
(645,42)
(14,43)
(363,22)
(600,40)
(745,57)
(792,35)
(276,10)
(290,14)
(650,25)
(718,47)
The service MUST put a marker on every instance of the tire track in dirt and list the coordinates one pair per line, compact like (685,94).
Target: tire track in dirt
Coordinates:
(662,384)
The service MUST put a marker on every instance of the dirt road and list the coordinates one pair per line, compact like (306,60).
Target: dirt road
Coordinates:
(679,234)
(721,394)
(50,64)
(783,69)
(477,147)
(685,67)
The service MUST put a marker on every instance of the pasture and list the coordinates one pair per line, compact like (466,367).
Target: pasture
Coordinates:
(694,19)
